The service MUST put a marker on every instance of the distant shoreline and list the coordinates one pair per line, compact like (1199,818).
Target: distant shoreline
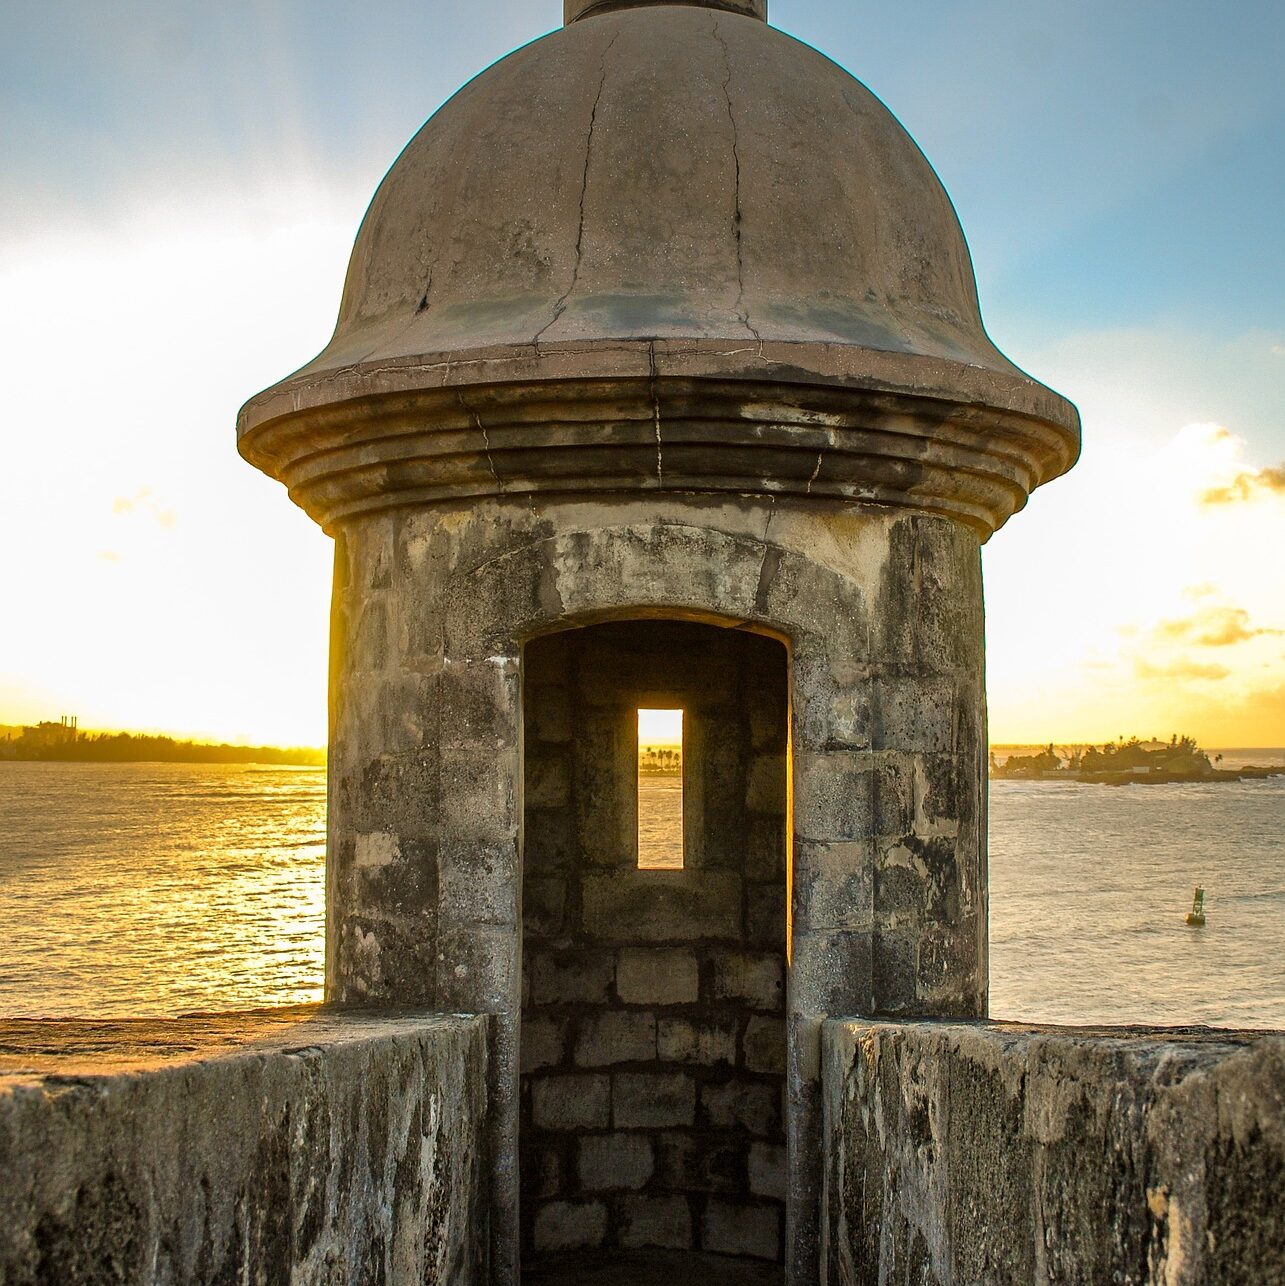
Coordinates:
(127,748)
(1155,777)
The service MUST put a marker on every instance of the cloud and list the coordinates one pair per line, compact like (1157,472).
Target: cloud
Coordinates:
(146,504)
(1179,669)
(1210,627)
(1248,485)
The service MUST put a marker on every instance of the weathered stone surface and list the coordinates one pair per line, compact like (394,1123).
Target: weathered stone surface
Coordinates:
(659,977)
(615,1161)
(742,1230)
(773,411)
(970,1153)
(286,1145)
(665,1222)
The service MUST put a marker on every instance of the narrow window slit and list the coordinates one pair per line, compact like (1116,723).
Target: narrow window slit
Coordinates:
(660,790)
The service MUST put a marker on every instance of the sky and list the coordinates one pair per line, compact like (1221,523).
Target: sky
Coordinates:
(182,187)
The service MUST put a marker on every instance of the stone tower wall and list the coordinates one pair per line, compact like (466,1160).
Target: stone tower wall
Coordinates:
(882,613)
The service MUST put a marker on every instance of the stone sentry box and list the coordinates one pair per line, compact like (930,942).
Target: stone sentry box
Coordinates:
(662,319)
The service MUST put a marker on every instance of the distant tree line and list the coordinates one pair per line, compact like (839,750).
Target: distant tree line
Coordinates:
(660,761)
(130,748)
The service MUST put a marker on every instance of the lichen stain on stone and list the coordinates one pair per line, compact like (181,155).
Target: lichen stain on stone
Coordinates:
(377,850)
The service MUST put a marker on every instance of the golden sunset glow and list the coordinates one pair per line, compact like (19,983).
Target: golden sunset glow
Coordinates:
(1158,607)
(154,581)
(660,727)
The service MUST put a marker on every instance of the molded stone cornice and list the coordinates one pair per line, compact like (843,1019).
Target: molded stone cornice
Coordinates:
(817,422)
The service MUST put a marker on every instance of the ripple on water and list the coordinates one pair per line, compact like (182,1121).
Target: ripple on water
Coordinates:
(159,889)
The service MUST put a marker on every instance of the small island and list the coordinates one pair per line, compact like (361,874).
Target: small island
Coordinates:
(1125,763)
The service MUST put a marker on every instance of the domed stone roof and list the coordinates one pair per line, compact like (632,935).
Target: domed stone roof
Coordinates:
(658,191)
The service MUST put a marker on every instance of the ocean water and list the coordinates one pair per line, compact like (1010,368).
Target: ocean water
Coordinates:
(167,888)
(159,888)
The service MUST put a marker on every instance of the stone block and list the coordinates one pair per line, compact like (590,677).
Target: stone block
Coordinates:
(646,976)
(390,875)
(610,1161)
(832,972)
(659,906)
(730,1228)
(542,1043)
(835,713)
(894,793)
(685,1040)
(695,1163)
(765,915)
(543,907)
(767,1170)
(754,978)
(833,796)
(834,885)
(541,1172)
(765,847)
(765,789)
(914,713)
(916,880)
(616,1037)
(764,1044)
(662,1222)
(946,796)
(652,1100)
(477,969)
(548,840)
(743,1105)
(570,1225)
(581,977)
(547,779)
(479,703)
(571,1102)
(478,797)
(548,713)
(478,884)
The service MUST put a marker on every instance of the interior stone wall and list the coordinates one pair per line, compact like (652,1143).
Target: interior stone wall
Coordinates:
(653,1020)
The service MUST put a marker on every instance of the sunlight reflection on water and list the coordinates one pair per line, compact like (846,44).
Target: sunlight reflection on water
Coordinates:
(164,888)
(159,888)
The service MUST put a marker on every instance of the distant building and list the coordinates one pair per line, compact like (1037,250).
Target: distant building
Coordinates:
(48,733)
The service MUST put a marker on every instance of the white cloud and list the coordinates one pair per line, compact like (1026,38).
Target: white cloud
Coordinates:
(1090,595)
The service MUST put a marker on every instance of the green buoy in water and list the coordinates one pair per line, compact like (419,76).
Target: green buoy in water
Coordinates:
(1196,915)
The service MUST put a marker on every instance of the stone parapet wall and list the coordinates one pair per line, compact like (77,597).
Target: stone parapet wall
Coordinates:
(964,1153)
(285,1145)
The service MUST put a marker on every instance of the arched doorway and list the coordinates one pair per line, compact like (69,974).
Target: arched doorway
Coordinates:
(653,1014)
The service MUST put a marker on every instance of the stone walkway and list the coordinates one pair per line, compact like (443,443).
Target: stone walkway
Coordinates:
(653,1268)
